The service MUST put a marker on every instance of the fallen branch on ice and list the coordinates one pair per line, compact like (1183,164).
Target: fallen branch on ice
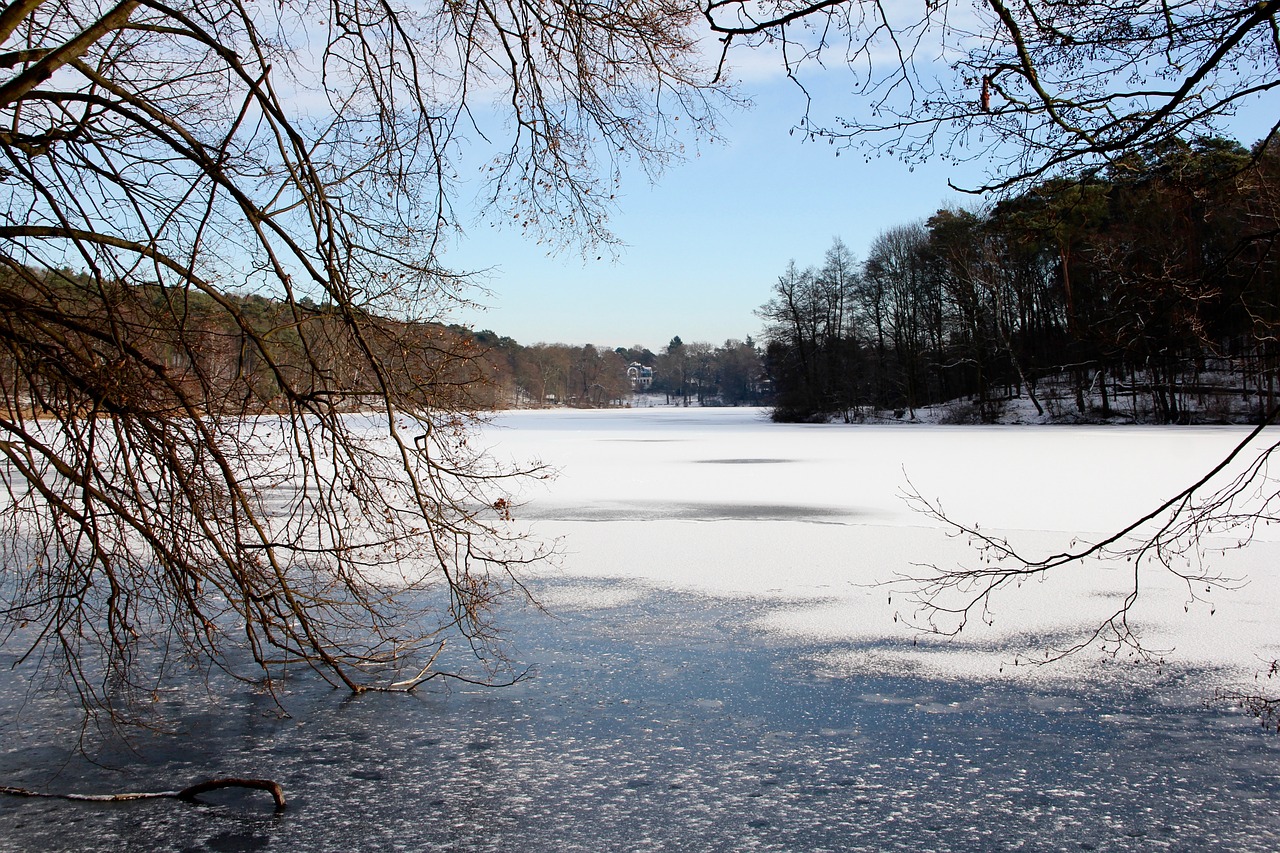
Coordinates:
(189,793)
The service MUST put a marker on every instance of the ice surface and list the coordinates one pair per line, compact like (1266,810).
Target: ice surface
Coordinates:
(810,520)
(658,727)
(722,671)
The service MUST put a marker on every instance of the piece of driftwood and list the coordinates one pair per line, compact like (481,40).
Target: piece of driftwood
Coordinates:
(188,793)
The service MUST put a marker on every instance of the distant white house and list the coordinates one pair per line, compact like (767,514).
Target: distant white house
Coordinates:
(641,377)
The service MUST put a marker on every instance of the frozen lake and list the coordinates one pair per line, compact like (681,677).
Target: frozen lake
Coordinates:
(722,672)
(811,519)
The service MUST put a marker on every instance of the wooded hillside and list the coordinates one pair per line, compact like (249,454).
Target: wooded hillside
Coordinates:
(1156,278)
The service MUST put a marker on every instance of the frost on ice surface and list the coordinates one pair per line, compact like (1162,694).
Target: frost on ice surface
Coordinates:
(577,596)
(667,724)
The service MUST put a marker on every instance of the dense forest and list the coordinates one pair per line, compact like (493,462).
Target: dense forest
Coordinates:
(1150,289)
(259,352)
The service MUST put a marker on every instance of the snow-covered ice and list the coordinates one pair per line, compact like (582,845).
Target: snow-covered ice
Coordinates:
(810,520)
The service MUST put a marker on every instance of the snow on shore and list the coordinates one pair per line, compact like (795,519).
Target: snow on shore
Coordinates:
(809,520)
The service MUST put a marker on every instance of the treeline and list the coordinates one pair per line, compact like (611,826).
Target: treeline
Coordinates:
(596,377)
(1150,287)
(201,350)
(180,352)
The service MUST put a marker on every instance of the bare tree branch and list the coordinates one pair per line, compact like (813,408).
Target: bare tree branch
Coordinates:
(1038,88)
(223,319)
(188,793)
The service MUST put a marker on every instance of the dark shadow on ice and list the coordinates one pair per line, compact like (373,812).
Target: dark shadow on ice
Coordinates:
(743,461)
(675,511)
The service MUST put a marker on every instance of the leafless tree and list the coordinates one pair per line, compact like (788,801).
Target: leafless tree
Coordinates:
(228,417)
(225,407)
(1033,87)
(1044,90)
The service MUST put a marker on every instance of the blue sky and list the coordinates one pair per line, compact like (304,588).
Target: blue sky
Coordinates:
(705,244)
